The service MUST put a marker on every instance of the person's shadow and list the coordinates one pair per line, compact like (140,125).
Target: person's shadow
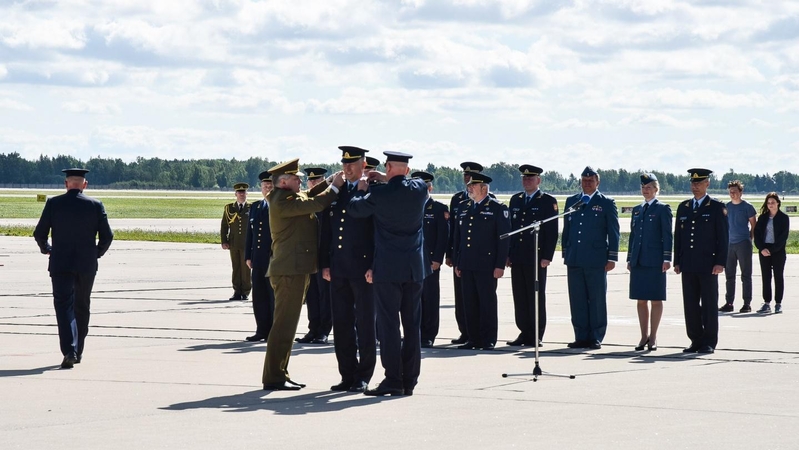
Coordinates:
(27,372)
(259,400)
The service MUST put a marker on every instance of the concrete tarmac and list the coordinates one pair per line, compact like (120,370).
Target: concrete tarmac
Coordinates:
(166,366)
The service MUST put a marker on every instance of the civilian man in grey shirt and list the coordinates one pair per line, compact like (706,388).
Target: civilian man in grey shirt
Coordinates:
(741,219)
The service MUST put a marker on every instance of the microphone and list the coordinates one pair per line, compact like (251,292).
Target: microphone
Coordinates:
(580,203)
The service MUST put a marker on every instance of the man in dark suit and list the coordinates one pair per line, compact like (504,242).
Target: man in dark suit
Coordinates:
(590,243)
(397,208)
(527,207)
(346,254)
(479,259)
(436,235)
(700,253)
(294,256)
(233,234)
(75,220)
(317,300)
(257,253)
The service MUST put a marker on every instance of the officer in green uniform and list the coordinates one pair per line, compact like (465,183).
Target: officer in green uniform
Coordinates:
(234,238)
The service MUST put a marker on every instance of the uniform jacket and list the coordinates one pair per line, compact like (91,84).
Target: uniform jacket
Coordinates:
(542,206)
(76,220)
(477,242)
(701,236)
(591,235)
(397,209)
(436,231)
(347,244)
(782,225)
(454,210)
(259,236)
(650,235)
(234,226)
(293,223)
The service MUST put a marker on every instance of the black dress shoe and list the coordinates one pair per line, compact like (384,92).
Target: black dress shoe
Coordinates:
(235,297)
(705,349)
(518,342)
(358,386)
(461,340)
(255,338)
(319,340)
(468,345)
(691,349)
(489,346)
(341,387)
(595,345)
(578,344)
(427,343)
(69,361)
(380,391)
(408,391)
(285,386)
(294,383)
(307,339)
(77,360)
(243,297)
(640,347)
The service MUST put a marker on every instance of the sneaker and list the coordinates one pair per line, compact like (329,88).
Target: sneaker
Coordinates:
(727,308)
(777,310)
(746,308)
(765,309)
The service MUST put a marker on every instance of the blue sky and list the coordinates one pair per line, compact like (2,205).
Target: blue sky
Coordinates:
(633,84)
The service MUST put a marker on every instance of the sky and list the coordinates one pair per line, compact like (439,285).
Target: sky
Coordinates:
(616,84)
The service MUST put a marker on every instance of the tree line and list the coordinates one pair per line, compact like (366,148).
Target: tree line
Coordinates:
(222,174)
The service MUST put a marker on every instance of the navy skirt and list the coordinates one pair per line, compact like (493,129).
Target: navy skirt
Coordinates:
(647,283)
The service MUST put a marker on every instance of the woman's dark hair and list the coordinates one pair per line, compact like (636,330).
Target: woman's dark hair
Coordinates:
(764,208)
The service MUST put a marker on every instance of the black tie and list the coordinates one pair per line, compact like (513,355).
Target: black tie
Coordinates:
(351,187)
(527,200)
(646,206)
(240,207)
(696,204)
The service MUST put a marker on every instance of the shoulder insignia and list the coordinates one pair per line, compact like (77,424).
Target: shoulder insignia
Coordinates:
(505,212)
(290,197)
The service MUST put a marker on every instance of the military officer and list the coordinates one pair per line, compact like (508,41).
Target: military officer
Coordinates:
(455,203)
(76,220)
(317,300)
(396,206)
(234,238)
(436,235)
(257,253)
(526,207)
(480,259)
(294,256)
(700,253)
(371,164)
(346,253)
(590,244)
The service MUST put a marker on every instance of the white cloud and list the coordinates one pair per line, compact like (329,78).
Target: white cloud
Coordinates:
(86,107)
(662,120)
(755,122)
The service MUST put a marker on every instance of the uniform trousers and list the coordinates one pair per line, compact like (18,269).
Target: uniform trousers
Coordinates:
(773,264)
(353,304)
(401,356)
(72,298)
(739,253)
(460,312)
(317,301)
(431,302)
(263,302)
(240,279)
(480,305)
(588,287)
(523,285)
(289,296)
(700,297)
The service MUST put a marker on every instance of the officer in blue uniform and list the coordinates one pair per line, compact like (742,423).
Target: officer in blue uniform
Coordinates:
(257,253)
(371,164)
(399,269)
(317,299)
(75,220)
(590,244)
(480,260)
(526,207)
(436,235)
(455,202)
(346,254)
(700,253)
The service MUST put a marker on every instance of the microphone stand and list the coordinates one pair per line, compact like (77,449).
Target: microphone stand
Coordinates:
(536,228)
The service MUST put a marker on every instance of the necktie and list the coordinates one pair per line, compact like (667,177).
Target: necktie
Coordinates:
(351,187)
(240,207)
(646,206)
(527,200)
(696,204)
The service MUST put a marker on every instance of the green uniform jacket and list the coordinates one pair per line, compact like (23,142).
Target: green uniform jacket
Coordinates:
(293,222)
(234,226)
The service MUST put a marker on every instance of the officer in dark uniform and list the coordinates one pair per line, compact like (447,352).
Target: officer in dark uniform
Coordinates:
(700,253)
(526,207)
(371,164)
(75,220)
(436,234)
(346,253)
(455,202)
(590,243)
(399,269)
(317,299)
(234,238)
(257,253)
(480,259)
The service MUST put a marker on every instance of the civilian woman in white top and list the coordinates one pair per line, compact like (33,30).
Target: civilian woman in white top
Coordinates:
(771,235)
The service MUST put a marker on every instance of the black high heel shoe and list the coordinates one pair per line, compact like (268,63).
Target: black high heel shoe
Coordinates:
(641,347)
(652,347)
